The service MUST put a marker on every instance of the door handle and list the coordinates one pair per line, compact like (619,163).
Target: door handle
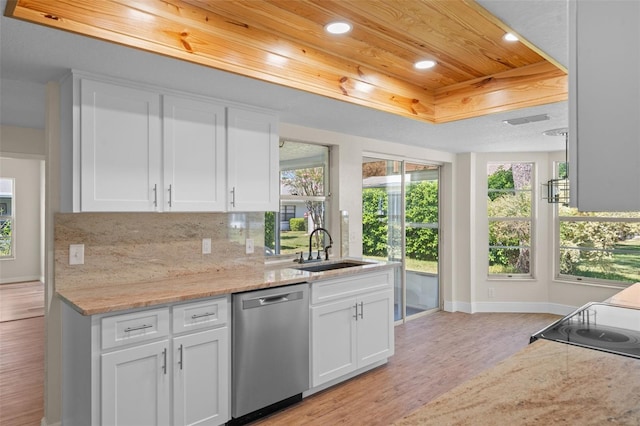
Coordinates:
(181,361)
(155,195)
(356,314)
(170,193)
(361,310)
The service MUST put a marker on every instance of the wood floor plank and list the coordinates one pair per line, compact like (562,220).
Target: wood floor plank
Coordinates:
(434,354)
(22,372)
(21,300)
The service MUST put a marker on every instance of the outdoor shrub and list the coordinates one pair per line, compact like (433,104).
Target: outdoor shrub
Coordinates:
(297,224)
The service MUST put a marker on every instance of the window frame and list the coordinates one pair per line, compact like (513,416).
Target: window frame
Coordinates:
(531,219)
(558,247)
(11,218)
(287,198)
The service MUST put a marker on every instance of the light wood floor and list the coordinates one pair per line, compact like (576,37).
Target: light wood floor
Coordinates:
(434,354)
(21,354)
(21,300)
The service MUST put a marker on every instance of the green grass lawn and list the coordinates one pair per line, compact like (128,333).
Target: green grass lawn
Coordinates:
(625,265)
(426,266)
(294,241)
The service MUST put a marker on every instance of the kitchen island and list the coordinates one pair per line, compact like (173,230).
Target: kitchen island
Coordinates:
(546,383)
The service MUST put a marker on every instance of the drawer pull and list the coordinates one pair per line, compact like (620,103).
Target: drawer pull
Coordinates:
(140,327)
(196,316)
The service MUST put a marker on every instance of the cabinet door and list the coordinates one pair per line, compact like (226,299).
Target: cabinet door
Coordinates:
(135,386)
(604,105)
(201,378)
(194,155)
(252,165)
(375,327)
(333,341)
(119,148)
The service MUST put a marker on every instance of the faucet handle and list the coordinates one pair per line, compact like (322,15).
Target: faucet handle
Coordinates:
(326,252)
(318,255)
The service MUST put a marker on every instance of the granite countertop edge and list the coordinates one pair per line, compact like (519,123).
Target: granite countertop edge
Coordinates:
(96,299)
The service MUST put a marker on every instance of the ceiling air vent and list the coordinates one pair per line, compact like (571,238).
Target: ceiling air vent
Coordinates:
(525,120)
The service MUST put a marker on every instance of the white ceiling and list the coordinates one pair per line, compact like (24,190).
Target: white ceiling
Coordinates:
(31,55)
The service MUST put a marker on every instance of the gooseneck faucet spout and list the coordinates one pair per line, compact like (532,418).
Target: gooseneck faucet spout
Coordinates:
(326,249)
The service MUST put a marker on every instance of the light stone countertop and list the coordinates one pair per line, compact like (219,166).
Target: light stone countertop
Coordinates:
(91,300)
(629,297)
(547,383)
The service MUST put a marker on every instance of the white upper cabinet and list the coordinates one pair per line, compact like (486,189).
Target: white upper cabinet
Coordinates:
(252,161)
(194,155)
(129,147)
(119,145)
(604,105)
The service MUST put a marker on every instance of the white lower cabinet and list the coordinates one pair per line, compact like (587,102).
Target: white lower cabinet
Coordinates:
(135,385)
(351,324)
(161,366)
(201,378)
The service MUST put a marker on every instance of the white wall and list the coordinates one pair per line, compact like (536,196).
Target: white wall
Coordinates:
(22,157)
(26,264)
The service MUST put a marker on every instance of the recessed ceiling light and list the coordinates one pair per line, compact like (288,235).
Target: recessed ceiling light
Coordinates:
(338,27)
(510,37)
(423,65)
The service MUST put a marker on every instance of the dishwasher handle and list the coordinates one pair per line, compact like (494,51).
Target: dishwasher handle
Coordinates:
(271,299)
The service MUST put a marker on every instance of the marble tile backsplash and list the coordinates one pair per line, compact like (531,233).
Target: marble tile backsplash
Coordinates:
(122,248)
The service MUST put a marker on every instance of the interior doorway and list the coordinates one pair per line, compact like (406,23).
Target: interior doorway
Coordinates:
(400,221)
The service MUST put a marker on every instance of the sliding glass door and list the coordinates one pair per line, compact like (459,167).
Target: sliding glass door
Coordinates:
(400,223)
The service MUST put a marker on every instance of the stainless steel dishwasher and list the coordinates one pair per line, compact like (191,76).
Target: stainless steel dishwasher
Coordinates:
(270,367)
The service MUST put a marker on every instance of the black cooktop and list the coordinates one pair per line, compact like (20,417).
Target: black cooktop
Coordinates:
(599,326)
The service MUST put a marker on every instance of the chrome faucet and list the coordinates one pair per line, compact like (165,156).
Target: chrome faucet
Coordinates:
(326,249)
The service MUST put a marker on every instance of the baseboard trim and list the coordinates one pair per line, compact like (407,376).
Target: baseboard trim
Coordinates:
(21,279)
(515,307)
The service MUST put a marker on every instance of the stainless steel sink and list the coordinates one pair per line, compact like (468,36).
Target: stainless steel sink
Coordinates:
(331,266)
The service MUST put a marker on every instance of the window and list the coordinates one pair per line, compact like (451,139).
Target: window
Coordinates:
(287,212)
(597,246)
(304,183)
(509,208)
(7,217)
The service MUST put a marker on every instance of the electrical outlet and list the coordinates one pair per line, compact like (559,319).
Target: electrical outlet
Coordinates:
(206,246)
(248,246)
(492,292)
(76,254)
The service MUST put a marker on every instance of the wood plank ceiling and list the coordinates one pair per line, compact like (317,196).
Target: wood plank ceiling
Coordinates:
(284,42)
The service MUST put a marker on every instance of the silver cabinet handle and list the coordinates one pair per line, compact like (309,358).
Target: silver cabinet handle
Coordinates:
(155,195)
(356,315)
(180,362)
(233,196)
(170,196)
(164,362)
(140,327)
(206,314)
(361,310)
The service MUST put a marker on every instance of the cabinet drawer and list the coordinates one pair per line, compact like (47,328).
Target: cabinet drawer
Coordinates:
(325,291)
(120,330)
(198,315)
